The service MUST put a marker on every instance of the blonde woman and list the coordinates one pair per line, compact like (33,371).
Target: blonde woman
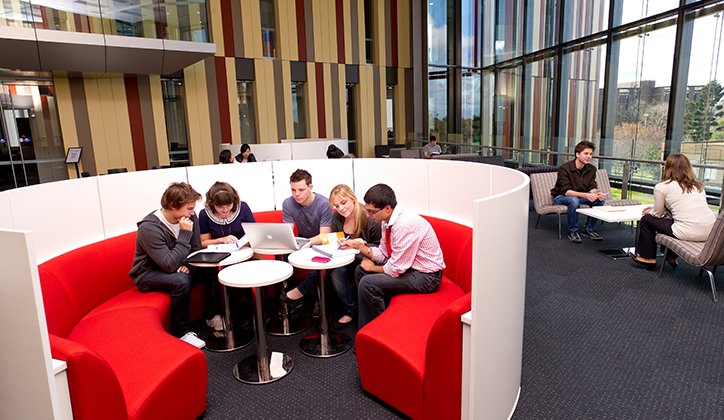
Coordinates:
(682,195)
(350,218)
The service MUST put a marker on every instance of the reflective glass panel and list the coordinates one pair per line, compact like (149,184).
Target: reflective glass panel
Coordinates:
(268,28)
(247,119)
(437,29)
(351,99)
(508,29)
(471,31)
(585,17)
(581,77)
(470,95)
(175,113)
(437,102)
(633,10)
(644,77)
(538,113)
(541,23)
(390,114)
(703,129)
(298,111)
(507,120)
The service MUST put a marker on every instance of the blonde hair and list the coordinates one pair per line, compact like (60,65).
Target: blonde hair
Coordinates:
(360,214)
(678,168)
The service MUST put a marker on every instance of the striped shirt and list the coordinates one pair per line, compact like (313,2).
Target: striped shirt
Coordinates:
(414,245)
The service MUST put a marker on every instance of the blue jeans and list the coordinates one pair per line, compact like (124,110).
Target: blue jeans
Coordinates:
(573,203)
(341,278)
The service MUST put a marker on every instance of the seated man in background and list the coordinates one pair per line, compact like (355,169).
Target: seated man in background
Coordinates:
(431,148)
(408,260)
(165,238)
(312,214)
(576,185)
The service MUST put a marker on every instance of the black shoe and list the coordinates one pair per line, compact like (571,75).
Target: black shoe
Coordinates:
(338,326)
(591,234)
(574,237)
(286,299)
(648,266)
(673,264)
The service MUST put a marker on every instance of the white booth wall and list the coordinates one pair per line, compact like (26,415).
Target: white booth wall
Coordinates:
(493,200)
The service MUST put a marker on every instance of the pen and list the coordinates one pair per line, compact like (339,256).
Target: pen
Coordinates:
(345,239)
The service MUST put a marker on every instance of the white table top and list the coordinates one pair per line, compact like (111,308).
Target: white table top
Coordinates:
(236,257)
(303,259)
(619,214)
(255,273)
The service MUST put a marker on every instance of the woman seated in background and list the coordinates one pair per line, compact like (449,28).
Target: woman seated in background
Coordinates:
(350,218)
(225,157)
(220,223)
(245,154)
(682,195)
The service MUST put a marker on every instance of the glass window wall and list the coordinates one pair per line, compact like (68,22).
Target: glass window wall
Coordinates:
(351,99)
(299,111)
(247,119)
(175,113)
(268,28)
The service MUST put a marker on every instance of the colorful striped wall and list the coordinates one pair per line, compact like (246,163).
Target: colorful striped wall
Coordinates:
(119,119)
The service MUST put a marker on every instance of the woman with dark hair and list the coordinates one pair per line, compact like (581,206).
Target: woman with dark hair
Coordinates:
(225,157)
(680,210)
(223,213)
(245,155)
(334,152)
(220,223)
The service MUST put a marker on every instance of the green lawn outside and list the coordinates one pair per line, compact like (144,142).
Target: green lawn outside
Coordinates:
(646,198)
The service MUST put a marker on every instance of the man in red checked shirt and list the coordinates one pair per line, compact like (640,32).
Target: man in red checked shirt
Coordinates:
(408,260)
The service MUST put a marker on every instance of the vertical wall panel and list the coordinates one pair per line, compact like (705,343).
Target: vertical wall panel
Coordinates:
(285,91)
(197,114)
(122,122)
(227,28)
(159,120)
(404,44)
(393,33)
(335,106)
(365,120)
(329,109)
(349,33)
(311,105)
(340,31)
(283,39)
(317,30)
(379,37)
(146,109)
(216,25)
(233,102)
(358,32)
(224,103)
(95,120)
(301,29)
(136,119)
(279,99)
(238,29)
(67,117)
(215,117)
(342,101)
(330,7)
(401,110)
(265,96)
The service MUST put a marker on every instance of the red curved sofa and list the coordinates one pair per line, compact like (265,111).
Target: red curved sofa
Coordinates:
(122,363)
(411,356)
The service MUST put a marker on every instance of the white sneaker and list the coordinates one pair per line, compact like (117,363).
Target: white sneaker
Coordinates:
(194,340)
(216,323)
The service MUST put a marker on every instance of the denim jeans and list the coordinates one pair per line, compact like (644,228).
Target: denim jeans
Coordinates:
(179,286)
(573,203)
(374,289)
(341,278)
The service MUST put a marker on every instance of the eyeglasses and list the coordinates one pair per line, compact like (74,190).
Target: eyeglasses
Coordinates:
(372,212)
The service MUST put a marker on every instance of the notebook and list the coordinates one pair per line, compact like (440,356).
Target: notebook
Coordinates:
(273,236)
(207,257)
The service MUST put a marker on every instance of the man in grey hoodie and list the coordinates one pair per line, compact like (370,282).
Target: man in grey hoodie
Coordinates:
(165,238)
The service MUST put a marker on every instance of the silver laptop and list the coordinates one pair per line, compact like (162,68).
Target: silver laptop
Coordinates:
(273,236)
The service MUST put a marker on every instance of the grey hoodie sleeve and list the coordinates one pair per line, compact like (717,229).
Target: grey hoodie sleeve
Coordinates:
(152,239)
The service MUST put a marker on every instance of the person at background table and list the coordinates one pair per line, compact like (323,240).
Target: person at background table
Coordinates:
(682,196)
(334,152)
(165,238)
(576,185)
(408,259)
(350,218)
(225,157)
(432,148)
(310,211)
(245,155)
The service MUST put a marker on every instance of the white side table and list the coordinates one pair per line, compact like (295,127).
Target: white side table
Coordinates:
(230,338)
(264,366)
(286,324)
(322,343)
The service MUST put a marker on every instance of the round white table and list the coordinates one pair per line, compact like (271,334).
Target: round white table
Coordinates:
(264,366)
(286,324)
(322,343)
(231,338)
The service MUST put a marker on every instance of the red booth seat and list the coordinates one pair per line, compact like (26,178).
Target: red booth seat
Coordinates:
(411,356)
(122,364)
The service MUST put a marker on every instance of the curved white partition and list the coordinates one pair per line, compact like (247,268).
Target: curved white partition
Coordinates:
(493,200)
